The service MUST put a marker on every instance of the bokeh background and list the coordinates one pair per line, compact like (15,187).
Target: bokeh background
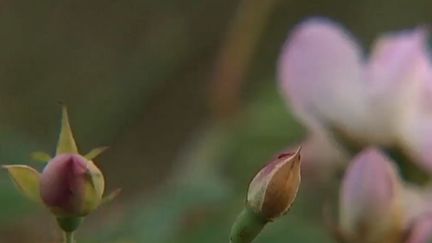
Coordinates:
(185,94)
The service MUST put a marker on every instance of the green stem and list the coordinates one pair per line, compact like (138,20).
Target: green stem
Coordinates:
(69,224)
(247,226)
(69,237)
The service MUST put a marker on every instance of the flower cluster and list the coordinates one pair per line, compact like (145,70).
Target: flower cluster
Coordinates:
(382,100)
(377,109)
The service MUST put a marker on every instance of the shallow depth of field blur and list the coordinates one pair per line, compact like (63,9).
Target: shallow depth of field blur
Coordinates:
(185,94)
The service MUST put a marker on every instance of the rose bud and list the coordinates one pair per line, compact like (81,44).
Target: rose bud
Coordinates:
(270,195)
(370,200)
(71,185)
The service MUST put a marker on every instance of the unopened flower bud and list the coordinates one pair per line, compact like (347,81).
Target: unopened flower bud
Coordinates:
(270,195)
(370,202)
(71,185)
(274,188)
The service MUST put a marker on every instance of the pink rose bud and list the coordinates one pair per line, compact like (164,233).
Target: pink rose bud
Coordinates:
(274,188)
(71,185)
(370,202)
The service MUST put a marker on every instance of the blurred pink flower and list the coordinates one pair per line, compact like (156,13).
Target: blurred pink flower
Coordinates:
(371,208)
(384,100)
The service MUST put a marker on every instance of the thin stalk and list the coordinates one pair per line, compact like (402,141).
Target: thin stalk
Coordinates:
(236,54)
(68,237)
(247,226)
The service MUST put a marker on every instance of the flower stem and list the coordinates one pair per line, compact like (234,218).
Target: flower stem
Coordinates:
(247,226)
(69,237)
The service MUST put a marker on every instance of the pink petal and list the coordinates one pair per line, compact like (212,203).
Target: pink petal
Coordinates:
(62,182)
(399,64)
(369,191)
(417,141)
(320,75)
(396,58)
(421,231)
(416,125)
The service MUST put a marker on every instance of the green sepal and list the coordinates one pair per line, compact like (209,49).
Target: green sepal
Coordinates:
(66,141)
(92,198)
(26,179)
(111,196)
(95,152)
(247,226)
(40,156)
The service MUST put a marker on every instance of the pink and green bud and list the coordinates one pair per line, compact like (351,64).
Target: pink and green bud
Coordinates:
(270,195)
(71,185)
(370,200)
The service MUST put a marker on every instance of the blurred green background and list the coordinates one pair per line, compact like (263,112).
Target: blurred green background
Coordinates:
(183,91)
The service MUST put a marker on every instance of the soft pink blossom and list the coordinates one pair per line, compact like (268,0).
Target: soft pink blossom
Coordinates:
(384,99)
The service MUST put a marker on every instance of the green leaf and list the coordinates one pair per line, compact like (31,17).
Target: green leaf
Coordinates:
(95,152)
(40,156)
(66,142)
(26,179)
